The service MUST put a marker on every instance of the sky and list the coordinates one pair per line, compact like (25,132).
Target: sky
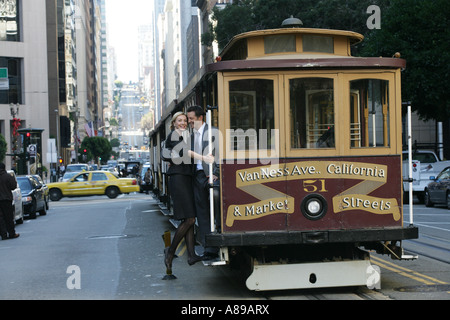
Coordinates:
(123,19)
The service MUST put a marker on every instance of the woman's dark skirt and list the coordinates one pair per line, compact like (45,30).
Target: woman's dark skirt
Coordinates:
(180,187)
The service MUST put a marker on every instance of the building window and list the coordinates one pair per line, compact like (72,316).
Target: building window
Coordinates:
(9,20)
(14,93)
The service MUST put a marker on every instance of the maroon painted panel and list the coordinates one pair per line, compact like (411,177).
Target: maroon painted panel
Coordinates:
(356,192)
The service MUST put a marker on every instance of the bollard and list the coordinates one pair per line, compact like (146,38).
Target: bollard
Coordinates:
(166,239)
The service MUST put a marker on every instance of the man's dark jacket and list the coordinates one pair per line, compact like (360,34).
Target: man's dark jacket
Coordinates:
(7,184)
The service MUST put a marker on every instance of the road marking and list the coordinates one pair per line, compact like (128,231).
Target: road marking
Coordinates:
(406,272)
(428,226)
(182,250)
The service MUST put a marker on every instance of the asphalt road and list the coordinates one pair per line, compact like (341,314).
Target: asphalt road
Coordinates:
(112,249)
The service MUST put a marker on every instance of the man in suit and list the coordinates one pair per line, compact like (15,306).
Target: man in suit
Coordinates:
(7,185)
(199,144)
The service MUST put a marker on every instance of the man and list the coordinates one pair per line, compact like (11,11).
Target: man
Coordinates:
(7,184)
(147,180)
(199,144)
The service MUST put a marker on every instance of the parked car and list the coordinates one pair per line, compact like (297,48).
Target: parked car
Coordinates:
(132,167)
(17,201)
(91,183)
(438,191)
(110,169)
(33,199)
(78,167)
(72,169)
(44,188)
(425,165)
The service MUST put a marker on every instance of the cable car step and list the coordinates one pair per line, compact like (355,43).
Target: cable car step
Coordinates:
(214,262)
(175,223)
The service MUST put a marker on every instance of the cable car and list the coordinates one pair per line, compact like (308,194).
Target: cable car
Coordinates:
(310,157)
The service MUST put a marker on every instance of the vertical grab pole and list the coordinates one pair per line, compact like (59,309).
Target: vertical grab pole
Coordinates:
(210,165)
(410,167)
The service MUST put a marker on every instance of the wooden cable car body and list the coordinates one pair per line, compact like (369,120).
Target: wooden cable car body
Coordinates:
(310,157)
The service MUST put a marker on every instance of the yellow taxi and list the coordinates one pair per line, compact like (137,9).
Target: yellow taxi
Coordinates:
(89,183)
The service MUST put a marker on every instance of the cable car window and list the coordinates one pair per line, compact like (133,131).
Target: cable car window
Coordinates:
(279,43)
(369,113)
(312,113)
(312,43)
(251,114)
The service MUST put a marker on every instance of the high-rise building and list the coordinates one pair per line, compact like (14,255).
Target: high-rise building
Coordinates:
(24,85)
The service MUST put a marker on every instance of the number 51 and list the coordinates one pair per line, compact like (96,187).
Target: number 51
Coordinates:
(314,185)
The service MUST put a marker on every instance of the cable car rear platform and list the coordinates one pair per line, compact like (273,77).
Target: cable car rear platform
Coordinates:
(334,258)
(265,238)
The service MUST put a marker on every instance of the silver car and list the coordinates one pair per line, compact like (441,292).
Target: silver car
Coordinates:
(17,201)
(438,191)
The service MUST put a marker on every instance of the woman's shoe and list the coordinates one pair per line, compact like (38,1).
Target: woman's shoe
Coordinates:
(168,263)
(194,260)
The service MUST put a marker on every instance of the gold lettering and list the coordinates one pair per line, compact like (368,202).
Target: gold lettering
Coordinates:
(367,203)
(314,176)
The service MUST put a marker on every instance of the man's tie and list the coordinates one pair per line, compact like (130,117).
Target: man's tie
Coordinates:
(197,143)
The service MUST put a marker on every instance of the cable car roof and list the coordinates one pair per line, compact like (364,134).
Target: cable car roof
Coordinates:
(250,45)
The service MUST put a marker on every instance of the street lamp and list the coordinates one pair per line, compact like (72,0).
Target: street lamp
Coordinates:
(15,125)
(58,134)
(76,115)
(14,113)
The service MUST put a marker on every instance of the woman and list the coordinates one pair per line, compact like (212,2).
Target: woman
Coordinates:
(180,187)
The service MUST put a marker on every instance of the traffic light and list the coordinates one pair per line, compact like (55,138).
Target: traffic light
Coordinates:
(27,141)
(60,160)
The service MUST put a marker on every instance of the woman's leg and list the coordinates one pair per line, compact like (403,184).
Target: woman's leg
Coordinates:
(190,245)
(181,232)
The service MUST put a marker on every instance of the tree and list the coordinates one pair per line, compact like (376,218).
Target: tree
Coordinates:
(3,148)
(97,148)
(419,31)
(247,15)
(115,143)
(235,18)
(113,122)
(118,84)
(147,121)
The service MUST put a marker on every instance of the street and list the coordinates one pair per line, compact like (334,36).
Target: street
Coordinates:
(112,249)
(131,134)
